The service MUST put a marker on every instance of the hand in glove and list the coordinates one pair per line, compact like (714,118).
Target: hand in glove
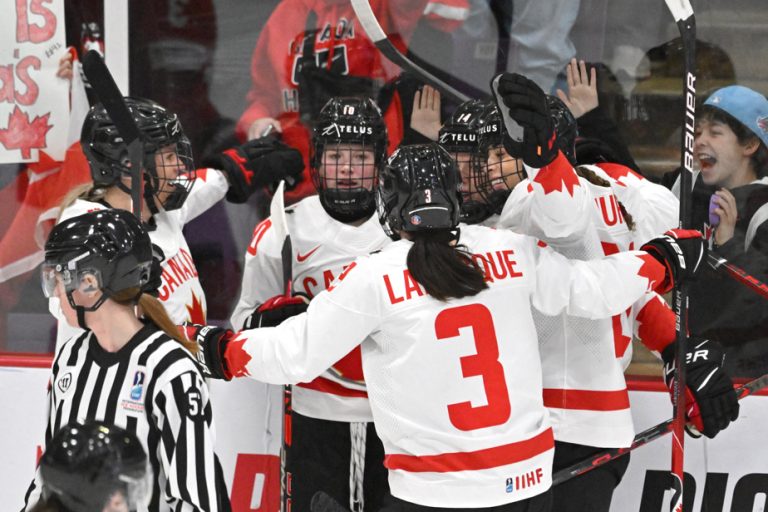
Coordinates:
(275,310)
(681,251)
(711,402)
(212,343)
(255,164)
(523,102)
(152,287)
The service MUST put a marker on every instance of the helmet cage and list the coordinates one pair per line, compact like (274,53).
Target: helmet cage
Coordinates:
(494,171)
(161,133)
(349,145)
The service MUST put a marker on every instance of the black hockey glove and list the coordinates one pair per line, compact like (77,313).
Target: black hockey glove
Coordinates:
(681,251)
(211,343)
(524,102)
(275,310)
(255,164)
(152,287)
(711,402)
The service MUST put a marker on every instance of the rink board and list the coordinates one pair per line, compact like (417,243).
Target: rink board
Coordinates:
(732,470)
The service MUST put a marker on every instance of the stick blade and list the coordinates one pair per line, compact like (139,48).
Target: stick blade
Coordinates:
(680,9)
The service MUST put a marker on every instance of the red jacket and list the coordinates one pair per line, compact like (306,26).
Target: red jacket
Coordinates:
(274,91)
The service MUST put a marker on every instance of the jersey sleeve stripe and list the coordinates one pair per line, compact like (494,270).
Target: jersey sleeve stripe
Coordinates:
(476,460)
(586,400)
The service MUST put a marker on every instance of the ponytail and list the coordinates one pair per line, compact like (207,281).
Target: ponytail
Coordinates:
(155,312)
(86,191)
(593,178)
(445,270)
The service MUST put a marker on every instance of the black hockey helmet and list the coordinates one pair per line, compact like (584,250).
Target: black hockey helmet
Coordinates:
(460,138)
(109,244)
(495,172)
(84,467)
(166,178)
(419,190)
(459,133)
(565,127)
(345,177)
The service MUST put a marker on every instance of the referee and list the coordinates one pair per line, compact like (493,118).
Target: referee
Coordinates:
(134,372)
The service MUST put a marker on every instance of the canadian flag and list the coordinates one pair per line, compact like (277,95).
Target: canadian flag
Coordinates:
(31,203)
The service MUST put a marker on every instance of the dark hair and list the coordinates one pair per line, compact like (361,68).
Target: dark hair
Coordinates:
(590,175)
(445,271)
(744,135)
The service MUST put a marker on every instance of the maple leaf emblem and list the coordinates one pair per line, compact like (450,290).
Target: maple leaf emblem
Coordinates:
(237,357)
(196,312)
(618,171)
(558,176)
(23,134)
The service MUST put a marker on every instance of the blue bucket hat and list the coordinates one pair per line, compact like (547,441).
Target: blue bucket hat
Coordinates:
(749,107)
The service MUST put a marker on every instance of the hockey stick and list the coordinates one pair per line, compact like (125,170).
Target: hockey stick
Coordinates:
(641,439)
(110,96)
(738,273)
(280,225)
(370,24)
(686,23)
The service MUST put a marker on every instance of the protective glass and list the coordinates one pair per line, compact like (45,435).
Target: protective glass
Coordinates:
(67,274)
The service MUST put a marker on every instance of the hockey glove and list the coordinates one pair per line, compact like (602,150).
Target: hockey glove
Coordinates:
(255,164)
(711,402)
(152,287)
(681,251)
(211,342)
(275,310)
(524,101)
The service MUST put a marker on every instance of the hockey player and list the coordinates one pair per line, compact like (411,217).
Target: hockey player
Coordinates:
(434,313)
(459,136)
(93,467)
(312,50)
(584,386)
(134,372)
(174,192)
(334,447)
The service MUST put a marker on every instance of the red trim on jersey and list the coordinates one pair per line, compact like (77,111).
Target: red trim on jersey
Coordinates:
(472,461)
(586,400)
(657,325)
(558,176)
(334,388)
(26,360)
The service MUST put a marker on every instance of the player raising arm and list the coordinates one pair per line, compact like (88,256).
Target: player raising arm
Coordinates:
(174,192)
(436,308)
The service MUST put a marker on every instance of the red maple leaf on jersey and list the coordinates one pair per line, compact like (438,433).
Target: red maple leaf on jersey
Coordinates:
(618,171)
(196,313)
(655,273)
(557,176)
(23,134)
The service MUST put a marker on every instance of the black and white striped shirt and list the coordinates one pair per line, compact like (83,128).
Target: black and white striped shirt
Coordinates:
(153,388)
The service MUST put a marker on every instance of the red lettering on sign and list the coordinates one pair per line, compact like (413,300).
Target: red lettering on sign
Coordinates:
(248,468)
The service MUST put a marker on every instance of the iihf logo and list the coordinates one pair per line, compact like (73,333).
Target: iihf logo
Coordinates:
(138,386)
(510,485)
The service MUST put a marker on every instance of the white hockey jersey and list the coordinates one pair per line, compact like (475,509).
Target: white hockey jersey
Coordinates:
(455,387)
(583,359)
(323,248)
(181,292)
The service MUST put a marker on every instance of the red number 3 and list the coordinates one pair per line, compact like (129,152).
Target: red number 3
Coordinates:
(485,363)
